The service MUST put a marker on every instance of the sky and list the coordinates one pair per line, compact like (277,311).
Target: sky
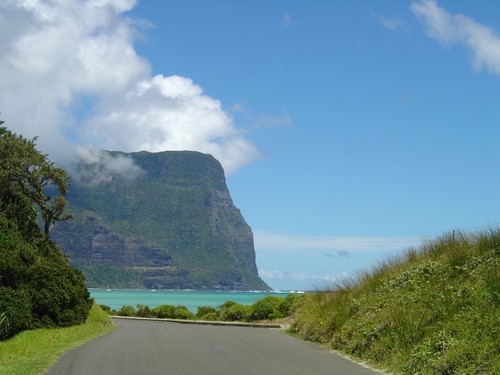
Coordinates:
(349,131)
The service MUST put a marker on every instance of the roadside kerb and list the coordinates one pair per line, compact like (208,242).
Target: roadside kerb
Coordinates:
(204,322)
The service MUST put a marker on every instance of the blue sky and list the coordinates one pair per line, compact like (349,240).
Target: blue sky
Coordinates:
(349,130)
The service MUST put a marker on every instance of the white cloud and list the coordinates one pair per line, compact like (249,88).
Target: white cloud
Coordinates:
(391,23)
(168,113)
(69,74)
(267,241)
(449,29)
(95,166)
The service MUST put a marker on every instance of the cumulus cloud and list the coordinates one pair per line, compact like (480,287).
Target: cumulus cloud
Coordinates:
(69,73)
(450,29)
(168,113)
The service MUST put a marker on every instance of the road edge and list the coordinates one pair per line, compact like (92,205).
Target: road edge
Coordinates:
(204,322)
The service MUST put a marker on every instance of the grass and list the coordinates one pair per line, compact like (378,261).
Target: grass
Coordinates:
(433,310)
(33,352)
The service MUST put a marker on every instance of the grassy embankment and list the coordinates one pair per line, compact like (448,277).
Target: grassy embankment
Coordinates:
(32,352)
(433,310)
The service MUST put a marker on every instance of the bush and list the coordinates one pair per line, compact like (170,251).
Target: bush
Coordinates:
(15,312)
(172,312)
(266,308)
(235,312)
(288,304)
(143,311)
(211,316)
(164,311)
(207,313)
(58,293)
(181,312)
(126,311)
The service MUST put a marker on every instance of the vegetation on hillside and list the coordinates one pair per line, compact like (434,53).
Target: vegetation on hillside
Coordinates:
(38,287)
(180,204)
(434,310)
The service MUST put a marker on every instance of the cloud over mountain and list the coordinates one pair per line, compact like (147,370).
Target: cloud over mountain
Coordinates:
(69,73)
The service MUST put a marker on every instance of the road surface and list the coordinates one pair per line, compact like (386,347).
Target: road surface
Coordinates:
(153,347)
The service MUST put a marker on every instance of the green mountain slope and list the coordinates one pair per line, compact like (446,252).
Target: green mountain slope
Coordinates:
(174,215)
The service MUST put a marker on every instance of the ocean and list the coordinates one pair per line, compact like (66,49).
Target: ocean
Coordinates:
(189,298)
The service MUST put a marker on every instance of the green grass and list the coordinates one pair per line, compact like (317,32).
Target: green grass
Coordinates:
(433,310)
(33,352)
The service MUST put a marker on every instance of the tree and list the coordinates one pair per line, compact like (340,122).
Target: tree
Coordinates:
(38,286)
(28,177)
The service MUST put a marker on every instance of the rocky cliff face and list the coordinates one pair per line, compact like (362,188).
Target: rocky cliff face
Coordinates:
(169,222)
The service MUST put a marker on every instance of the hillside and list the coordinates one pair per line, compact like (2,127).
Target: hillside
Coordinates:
(434,310)
(169,223)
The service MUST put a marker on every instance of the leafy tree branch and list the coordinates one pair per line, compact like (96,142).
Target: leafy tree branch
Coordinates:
(28,174)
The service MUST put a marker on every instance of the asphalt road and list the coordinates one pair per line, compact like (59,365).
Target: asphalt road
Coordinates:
(152,347)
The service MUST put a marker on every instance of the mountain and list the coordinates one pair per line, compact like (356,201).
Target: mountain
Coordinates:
(168,222)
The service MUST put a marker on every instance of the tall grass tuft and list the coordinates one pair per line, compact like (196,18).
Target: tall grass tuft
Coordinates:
(432,310)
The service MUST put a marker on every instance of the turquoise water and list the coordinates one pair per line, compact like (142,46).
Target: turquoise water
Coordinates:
(191,299)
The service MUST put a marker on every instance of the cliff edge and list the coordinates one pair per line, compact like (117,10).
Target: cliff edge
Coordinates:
(157,220)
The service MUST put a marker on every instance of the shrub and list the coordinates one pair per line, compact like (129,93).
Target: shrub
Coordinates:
(207,313)
(264,309)
(181,312)
(58,293)
(235,312)
(15,312)
(226,305)
(211,316)
(172,312)
(126,311)
(143,311)
(164,311)
(288,304)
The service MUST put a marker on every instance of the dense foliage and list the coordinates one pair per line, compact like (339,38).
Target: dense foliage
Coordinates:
(435,310)
(38,287)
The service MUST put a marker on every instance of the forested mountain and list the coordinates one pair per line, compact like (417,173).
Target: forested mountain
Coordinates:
(167,222)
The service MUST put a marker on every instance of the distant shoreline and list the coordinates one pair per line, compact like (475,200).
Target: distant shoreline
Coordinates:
(192,299)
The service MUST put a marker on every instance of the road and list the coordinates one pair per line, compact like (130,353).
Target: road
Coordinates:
(153,347)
